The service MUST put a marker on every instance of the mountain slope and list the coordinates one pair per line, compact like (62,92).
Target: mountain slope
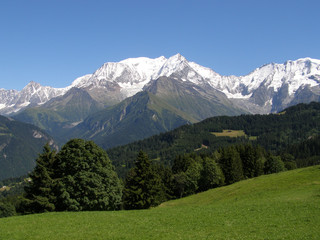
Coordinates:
(135,118)
(166,103)
(198,101)
(20,144)
(61,112)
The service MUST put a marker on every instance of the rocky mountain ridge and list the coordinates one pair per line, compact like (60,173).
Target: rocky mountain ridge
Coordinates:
(269,88)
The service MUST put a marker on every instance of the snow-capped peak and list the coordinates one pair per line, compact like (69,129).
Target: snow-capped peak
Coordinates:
(145,67)
(80,81)
(293,73)
(127,77)
(307,59)
(177,58)
(132,74)
(143,61)
(206,73)
(173,64)
(33,93)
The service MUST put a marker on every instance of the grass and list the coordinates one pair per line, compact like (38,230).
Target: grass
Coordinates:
(233,134)
(277,206)
(6,134)
(281,113)
(230,133)
(253,138)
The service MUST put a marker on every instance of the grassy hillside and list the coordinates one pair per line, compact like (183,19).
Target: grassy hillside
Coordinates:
(278,206)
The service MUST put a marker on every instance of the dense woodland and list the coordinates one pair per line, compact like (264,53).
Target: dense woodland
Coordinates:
(172,165)
(276,133)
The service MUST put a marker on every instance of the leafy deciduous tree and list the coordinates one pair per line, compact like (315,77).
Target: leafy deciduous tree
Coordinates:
(86,178)
(7,210)
(273,164)
(212,175)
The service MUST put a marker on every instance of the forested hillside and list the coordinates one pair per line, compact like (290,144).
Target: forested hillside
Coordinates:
(274,132)
(19,145)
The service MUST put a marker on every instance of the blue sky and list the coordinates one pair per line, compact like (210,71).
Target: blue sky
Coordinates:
(52,42)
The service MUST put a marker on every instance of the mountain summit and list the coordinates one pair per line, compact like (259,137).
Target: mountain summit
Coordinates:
(269,88)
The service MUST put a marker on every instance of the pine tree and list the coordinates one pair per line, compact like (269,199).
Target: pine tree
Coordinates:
(39,193)
(231,165)
(142,185)
(252,160)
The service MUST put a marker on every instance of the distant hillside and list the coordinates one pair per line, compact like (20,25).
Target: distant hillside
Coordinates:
(20,144)
(273,132)
(276,206)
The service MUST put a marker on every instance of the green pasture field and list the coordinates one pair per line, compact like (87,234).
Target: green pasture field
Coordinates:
(233,134)
(230,133)
(278,206)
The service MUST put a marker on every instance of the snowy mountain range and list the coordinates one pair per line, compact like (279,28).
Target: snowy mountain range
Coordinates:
(269,88)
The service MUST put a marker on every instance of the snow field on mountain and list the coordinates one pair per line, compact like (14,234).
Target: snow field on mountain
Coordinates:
(133,74)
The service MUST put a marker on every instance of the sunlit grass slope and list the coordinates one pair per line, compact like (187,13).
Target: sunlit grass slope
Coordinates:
(278,206)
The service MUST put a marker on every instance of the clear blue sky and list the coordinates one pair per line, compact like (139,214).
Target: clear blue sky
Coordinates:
(52,42)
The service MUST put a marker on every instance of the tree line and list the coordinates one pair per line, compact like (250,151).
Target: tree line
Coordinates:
(80,177)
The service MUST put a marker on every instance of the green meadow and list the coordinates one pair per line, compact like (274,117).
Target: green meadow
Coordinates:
(233,134)
(278,206)
(230,133)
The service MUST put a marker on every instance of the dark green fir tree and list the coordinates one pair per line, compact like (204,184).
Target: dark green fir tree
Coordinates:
(143,187)
(231,165)
(39,193)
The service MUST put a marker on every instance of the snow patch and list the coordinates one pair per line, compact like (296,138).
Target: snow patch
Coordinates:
(25,104)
